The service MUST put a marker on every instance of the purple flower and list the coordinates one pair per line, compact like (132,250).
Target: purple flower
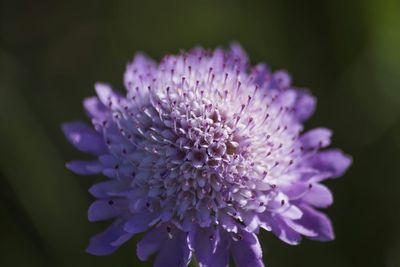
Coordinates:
(201,152)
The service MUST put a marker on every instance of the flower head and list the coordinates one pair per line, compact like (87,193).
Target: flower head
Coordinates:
(202,151)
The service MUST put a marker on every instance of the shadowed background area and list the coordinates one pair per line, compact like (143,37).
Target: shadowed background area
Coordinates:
(52,52)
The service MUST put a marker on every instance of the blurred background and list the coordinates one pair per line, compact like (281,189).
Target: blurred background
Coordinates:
(52,52)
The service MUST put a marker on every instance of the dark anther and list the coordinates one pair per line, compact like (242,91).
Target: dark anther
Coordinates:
(237,237)
(110,202)
(310,186)
(169,229)
(282,202)
(211,237)
(116,166)
(320,144)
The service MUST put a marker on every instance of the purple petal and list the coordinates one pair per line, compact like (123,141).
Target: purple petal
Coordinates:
(281,79)
(199,242)
(84,167)
(220,258)
(109,188)
(94,108)
(261,74)
(286,98)
(141,222)
(292,212)
(296,190)
(151,243)
(317,222)
(84,138)
(318,196)
(316,138)
(238,55)
(227,222)
(109,160)
(278,226)
(251,220)
(246,251)
(171,244)
(174,251)
(208,248)
(204,216)
(106,95)
(105,243)
(141,67)
(300,229)
(105,209)
(332,161)
(304,106)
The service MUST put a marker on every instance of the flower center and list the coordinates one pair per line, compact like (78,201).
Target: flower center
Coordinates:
(200,159)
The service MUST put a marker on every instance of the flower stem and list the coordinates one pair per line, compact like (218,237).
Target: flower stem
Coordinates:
(194,263)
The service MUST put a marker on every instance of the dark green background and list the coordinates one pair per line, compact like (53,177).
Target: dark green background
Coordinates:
(52,52)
